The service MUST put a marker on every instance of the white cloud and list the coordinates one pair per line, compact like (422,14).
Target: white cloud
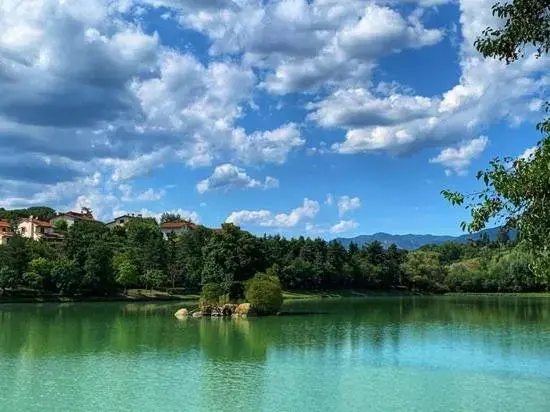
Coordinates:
(528,153)
(185,214)
(266,218)
(344,226)
(483,96)
(230,177)
(347,204)
(270,146)
(329,200)
(458,159)
(360,108)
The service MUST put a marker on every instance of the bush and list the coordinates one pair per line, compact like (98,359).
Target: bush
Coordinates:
(264,293)
(211,294)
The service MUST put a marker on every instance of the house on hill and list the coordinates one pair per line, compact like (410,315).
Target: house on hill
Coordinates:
(176,228)
(5,232)
(71,217)
(35,229)
(122,220)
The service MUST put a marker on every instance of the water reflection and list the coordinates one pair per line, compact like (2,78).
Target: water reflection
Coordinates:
(510,324)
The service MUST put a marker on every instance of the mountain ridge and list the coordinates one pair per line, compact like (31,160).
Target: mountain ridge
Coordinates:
(415,241)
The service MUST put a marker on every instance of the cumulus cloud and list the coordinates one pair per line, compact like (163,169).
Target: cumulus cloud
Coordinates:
(457,159)
(347,204)
(360,108)
(271,146)
(230,177)
(344,226)
(308,44)
(401,124)
(266,218)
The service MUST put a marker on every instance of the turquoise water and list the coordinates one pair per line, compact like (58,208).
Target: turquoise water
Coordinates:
(378,354)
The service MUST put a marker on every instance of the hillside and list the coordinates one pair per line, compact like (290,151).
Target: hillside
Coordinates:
(412,241)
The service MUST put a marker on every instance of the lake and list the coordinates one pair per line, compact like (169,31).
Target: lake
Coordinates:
(423,354)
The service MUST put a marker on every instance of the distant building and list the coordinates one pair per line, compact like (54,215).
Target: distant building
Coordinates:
(71,217)
(122,220)
(176,228)
(5,232)
(35,229)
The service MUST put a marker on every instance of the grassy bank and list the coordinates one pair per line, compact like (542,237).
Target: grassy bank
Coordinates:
(132,295)
(143,295)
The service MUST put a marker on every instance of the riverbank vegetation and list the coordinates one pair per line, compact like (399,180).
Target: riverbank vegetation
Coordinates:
(93,260)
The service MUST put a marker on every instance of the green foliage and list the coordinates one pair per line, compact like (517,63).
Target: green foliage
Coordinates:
(65,274)
(61,226)
(93,260)
(154,278)
(516,190)
(211,294)
(126,271)
(424,270)
(8,278)
(526,22)
(38,275)
(230,256)
(264,293)
(41,212)
(170,217)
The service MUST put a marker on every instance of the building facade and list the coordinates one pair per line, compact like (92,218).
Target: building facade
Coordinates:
(35,229)
(71,217)
(5,232)
(122,220)
(176,228)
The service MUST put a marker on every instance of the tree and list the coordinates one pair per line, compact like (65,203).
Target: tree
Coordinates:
(38,275)
(154,279)
(516,190)
(424,270)
(264,294)
(211,294)
(8,278)
(61,226)
(126,271)
(170,217)
(66,276)
(231,256)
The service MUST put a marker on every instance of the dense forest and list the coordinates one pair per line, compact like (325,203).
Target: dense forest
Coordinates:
(93,260)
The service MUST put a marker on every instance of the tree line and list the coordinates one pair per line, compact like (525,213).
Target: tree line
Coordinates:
(93,260)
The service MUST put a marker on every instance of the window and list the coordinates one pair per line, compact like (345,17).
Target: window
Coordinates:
(23,229)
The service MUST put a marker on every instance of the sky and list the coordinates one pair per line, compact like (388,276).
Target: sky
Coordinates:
(328,118)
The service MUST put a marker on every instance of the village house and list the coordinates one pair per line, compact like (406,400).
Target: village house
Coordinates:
(35,229)
(5,232)
(176,228)
(122,220)
(71,217)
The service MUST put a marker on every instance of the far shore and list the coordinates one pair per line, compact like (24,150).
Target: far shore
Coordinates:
(142,295)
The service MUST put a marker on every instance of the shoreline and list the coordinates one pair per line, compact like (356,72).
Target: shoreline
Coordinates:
(140,295)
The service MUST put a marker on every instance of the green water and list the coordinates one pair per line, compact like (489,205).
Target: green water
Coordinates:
(380,354)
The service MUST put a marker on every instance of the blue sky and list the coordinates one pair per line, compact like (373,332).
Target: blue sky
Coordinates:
(320,118)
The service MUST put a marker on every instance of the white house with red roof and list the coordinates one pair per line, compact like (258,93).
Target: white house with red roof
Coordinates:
(71,217)
(6,232)
(176,228)
(36,229)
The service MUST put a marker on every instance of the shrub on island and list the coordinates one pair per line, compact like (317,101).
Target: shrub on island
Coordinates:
(264,293)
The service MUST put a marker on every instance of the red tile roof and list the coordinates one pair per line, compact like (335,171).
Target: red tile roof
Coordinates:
(178,225)
(39,223)
(76,215)
(4,223)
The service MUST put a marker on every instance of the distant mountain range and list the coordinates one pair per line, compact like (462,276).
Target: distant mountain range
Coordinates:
(411,242)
